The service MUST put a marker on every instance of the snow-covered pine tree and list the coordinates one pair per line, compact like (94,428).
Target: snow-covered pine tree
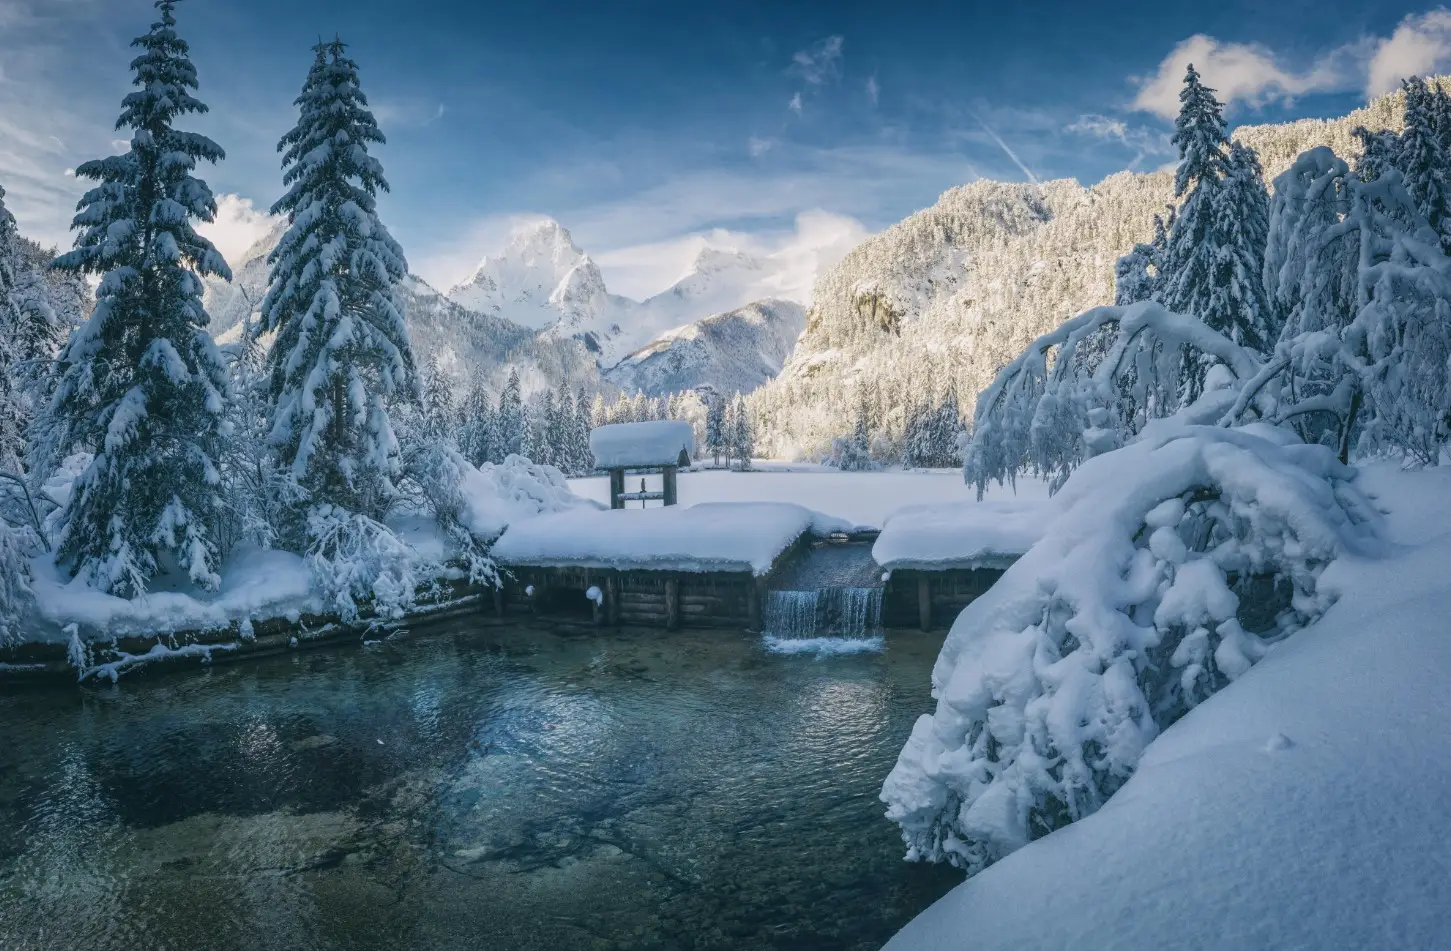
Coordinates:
(715,426)
(1422,162)
(561,430)
(476,424)
(1238,306)
(437,412)
(599,414)
(545,449)
(743,436)
(510,420)
(142,385)
(1377,151)
(584,460)
(28,333)
(342,354)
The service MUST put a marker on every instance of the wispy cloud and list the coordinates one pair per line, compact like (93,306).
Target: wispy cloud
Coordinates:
(1144,142)
(819,63)
(795,104)
(758,147)
(874,91)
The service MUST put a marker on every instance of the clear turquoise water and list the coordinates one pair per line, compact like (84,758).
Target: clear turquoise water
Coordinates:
(489,788)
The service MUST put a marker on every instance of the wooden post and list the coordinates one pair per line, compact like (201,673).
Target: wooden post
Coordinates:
(924,602)
(612,598)
(672,604)
(617,488)
(754,596)
(668,477)
(499,598)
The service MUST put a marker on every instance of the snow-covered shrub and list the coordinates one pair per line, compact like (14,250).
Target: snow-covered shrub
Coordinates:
(496,495)
(1091,386)
(356,561)
(1174,564)
(435,476)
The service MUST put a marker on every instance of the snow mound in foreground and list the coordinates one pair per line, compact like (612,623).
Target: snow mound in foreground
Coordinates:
(1301,810)
(1171,567)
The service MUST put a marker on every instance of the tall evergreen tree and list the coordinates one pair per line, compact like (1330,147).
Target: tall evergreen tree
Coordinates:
(743,434)
(476,428)
(1422,161)
(142,384)
(510,422)
(1191,256)
(28,333)
(579,435)
(437,411)
(1241,226)
(342,355)
(716,437)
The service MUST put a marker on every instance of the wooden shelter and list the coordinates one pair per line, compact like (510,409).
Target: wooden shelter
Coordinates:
(659,447)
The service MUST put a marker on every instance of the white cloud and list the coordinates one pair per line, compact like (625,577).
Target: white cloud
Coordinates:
(795,104)
(794,257)
(758,147)
(1421,44)
(819,63)
(1242,72)
(874,91)
(237,227)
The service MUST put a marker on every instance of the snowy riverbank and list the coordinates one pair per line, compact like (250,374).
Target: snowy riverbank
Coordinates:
(1299,808)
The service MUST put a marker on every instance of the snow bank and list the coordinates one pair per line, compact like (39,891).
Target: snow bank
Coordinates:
(1302,808)
(989,534)
(720,536)
(1124,617)
(256,583)
(657,443)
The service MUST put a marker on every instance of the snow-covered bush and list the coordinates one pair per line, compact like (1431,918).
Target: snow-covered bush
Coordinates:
(1092,386)
(356,562)
(15,594)
(435,477)
(1173,565)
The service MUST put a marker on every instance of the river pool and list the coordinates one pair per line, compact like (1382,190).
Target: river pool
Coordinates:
(468,787)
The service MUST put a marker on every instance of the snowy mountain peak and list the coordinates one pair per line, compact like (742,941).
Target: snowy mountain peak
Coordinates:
(519,282)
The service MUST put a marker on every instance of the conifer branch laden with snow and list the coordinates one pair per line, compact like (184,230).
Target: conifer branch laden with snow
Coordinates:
(142,385)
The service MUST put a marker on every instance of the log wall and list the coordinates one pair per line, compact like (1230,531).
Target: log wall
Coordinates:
(930,600)
(642,598)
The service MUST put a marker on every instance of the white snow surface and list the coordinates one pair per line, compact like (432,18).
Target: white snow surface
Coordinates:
(1299,808)
(720,536)
(655,443)
(865,499)
(970,534)
(499,495)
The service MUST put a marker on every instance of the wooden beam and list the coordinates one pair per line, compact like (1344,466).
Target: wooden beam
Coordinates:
(672,604)
(924,602)
(612,598)
(617,488)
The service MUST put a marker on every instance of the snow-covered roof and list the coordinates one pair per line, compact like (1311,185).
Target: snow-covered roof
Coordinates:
(716,536)
(990,534)
(656,443)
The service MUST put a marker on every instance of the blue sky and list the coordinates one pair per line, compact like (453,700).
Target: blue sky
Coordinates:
(640,124)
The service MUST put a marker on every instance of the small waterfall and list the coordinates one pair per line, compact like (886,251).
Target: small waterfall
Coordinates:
(828,620)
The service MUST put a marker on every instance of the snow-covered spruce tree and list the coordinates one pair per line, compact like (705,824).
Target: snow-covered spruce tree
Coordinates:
(1212,261)
(1170,567)
(1241,209)
(1425,167)
(715,427)
(437,413)
(141,383)
(342,353)
(511,421)
(342,361)
(743,434)
(476,428)
(853,453)
(584,460)
(28,336)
